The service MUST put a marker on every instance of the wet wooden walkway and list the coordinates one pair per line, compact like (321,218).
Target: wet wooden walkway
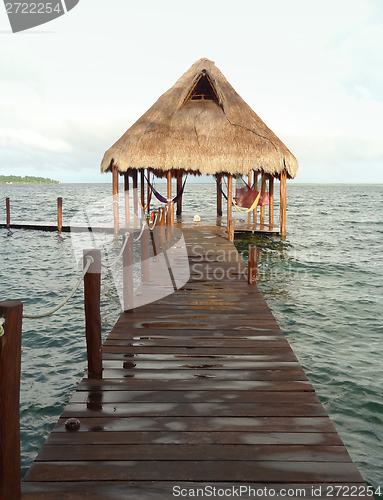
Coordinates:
(200,390)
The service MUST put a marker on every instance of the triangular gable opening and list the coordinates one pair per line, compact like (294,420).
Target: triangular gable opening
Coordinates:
(203,90)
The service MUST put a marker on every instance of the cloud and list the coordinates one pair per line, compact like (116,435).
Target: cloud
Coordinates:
(29,139)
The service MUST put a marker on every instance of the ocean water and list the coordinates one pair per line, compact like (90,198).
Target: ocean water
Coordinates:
(323,283)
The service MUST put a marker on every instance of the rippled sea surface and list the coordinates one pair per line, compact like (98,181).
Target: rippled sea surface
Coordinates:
(323,284)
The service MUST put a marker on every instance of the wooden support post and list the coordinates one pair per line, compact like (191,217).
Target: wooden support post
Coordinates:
(263,186)
(148,190)
(250,183)
(219,195)
(8,210)
(10,368)
(253,265)
(230,230)
(179,187)
(142,188)
(161,218)
(59,214)
(271,201)
(255,182)
(92,292)
(145,253)
(170,214)
(127,274)
(160,240)
(229,198)
(283,203)
(116,221)
(126,192)
(169,195)
(135,192)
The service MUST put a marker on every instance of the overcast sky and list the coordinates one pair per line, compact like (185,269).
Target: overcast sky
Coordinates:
(312,70)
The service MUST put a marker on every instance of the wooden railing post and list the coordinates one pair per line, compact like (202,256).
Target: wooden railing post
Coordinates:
(8,210)
(92,291)
(127,274)
(253,265)
(145,253)
(59,214)
(10,367)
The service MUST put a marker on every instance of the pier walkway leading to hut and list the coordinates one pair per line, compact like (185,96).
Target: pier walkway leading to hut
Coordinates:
(199,390)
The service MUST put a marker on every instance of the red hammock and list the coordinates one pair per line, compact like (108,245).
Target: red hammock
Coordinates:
(245,197)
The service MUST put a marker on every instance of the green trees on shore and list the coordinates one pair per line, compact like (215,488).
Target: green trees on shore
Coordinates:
(27,179)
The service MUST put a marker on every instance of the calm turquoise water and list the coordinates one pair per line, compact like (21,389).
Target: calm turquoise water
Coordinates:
(323,284)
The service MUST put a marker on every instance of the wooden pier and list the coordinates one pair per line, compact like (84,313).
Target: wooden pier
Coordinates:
(199,390)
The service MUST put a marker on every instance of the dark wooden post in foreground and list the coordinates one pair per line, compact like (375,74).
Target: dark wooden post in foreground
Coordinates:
(59,214)
(10,367)
(8,210)
(253,265)
(92,291)
(127,274)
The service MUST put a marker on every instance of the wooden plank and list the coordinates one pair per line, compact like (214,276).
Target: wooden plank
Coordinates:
(174,437)
(163,490)
(187,452)
(203,424)
(205,373)
(196,364)
(101,409)
(195,384)
(167,470)
(169,396)
(197,351)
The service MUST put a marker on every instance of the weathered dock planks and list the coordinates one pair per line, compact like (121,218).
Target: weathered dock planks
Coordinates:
(199,390)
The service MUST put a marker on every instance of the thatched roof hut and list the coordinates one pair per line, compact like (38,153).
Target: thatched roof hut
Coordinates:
(201,125)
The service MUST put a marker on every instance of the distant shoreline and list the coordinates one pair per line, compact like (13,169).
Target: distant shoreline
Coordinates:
(17,179)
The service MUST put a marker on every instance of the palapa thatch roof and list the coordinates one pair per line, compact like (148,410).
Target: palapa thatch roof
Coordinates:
(203,126)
